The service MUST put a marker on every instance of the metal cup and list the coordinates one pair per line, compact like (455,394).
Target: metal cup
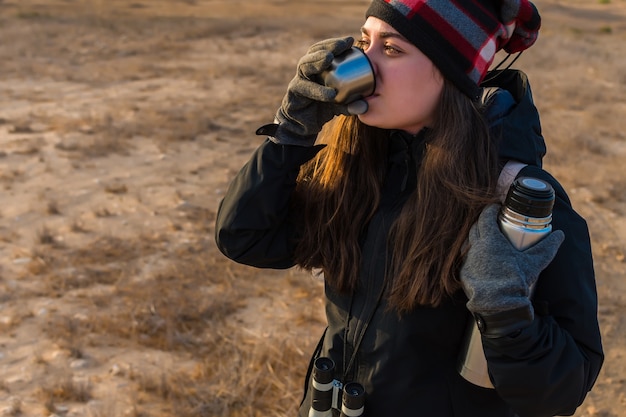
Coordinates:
(352,75)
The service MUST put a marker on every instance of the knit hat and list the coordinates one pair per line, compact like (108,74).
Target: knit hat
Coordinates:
(461,37)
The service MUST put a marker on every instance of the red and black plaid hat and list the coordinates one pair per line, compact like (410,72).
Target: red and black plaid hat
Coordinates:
(461,37)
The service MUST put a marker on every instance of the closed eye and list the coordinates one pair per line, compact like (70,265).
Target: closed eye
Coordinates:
(362,44)
(391,50)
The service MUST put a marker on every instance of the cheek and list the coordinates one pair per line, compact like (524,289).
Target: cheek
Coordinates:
(409,98)
(418,94)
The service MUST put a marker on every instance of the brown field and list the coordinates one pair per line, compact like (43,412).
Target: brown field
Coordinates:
(121,124)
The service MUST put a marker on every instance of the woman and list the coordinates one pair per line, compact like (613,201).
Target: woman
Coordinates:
(396,207)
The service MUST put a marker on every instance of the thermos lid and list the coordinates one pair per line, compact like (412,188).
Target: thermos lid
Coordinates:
(530,197)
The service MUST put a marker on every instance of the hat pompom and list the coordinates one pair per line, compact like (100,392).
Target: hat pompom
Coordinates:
(521,21)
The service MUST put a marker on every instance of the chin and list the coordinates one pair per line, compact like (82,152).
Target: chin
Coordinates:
(370,118)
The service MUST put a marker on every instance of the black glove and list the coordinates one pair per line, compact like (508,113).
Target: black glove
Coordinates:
(497,277)
(308,104)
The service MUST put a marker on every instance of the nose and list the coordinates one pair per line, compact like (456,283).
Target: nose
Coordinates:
(371,56)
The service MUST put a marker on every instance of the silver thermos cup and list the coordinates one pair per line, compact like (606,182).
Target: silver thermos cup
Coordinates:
(352,75)
(525,219)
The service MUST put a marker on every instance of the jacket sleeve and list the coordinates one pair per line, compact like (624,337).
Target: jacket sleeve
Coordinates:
(253,224)
(549,367)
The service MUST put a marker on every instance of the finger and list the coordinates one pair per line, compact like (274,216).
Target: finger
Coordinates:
(357,107)
(540,255)
(312,90)
(488,219)
(474,234)
(548,246)
(490,212)
(334,45)
(314,63)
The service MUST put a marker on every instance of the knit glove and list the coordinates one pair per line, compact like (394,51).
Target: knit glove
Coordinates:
(308,104)
(497,278)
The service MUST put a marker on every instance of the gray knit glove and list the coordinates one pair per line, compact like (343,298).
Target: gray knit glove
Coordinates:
(308,104)
(497,277)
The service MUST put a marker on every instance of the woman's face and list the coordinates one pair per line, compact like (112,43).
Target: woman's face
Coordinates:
(408,85)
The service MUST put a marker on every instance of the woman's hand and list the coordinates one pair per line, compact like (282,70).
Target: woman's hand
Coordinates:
(309,104)
(497,277)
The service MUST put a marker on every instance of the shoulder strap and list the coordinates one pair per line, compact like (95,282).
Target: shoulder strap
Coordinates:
(507,176)
(316,354)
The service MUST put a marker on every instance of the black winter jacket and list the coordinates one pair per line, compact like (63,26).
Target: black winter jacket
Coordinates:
(407,364)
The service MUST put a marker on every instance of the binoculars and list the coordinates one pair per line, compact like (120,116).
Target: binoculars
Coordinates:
(327,391)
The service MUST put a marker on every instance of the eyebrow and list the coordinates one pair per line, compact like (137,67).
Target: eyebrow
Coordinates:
(384,35)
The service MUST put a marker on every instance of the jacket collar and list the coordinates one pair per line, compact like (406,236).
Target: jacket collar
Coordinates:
(513,118)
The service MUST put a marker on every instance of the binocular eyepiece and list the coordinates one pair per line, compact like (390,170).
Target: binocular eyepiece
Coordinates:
(327,391)
(353,400)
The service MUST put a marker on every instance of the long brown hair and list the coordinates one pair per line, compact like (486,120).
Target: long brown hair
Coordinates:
(339,191)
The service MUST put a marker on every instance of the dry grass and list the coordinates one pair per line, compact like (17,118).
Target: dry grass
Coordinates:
(63,387)
(185,307)
(45,236)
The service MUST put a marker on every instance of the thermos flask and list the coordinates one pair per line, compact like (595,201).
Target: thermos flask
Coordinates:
(525,219)
(526,216)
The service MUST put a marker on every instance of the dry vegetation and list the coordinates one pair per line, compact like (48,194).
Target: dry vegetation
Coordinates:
(121,124)
(152,293)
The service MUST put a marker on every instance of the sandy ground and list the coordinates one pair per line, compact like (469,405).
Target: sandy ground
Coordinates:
(121,124)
